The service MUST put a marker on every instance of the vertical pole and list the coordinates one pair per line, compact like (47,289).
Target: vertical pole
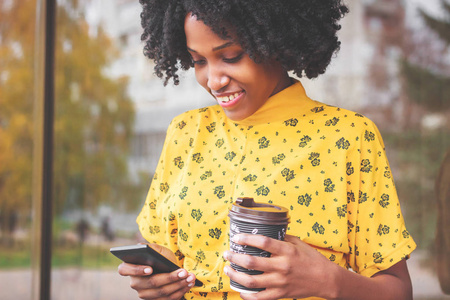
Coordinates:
(43,148)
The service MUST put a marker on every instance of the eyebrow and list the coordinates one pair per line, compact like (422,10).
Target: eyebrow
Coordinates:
(228,44)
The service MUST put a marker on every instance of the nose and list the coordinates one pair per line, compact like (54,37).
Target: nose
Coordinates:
(217,79)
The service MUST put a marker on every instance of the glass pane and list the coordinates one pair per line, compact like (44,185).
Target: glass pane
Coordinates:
(112,113)
(393,68)
(94,191)
(110,121)
(17,52)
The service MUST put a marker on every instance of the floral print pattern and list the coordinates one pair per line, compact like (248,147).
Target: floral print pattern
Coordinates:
(325,164)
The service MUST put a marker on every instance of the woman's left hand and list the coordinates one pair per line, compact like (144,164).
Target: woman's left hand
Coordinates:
(294,270)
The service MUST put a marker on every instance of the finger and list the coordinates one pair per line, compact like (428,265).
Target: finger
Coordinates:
(296,241)
(301,244)
(267,294)
(177,294)
(270,281)
(262,242)
(174,290)
(134,270)
(164,252)
(264,280)
(159,280)
(252,262)
(293,239)
(249,281)
(279,264)
(158,248)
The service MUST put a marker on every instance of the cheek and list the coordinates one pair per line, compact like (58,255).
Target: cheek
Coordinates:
(200,76)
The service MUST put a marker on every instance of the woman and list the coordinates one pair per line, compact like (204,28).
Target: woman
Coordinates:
(266,139)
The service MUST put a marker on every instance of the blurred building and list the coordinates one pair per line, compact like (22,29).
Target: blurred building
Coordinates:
(363,76)
(155,105)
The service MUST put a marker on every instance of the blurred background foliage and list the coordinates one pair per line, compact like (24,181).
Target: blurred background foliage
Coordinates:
(426,76)
(95,119)
(427,83)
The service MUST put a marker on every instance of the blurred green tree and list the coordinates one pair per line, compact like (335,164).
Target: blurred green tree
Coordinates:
(427,83)
(93,114)
(428,80)
(16,110)
(443,225)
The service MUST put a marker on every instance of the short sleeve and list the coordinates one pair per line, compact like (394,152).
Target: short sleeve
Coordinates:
(377,235)
(156,222)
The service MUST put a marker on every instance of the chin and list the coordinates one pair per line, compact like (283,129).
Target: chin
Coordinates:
(235,117)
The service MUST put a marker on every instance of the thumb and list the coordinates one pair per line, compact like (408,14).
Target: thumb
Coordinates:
(166,252)
(293,240)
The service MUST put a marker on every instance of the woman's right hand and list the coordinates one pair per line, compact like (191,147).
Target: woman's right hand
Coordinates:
(158,286)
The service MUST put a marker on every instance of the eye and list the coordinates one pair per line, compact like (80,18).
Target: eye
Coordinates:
(199,62)
(233,59)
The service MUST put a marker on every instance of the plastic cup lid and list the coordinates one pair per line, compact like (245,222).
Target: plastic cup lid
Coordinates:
(247,210)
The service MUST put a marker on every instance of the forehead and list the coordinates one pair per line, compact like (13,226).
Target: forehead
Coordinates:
(198,34)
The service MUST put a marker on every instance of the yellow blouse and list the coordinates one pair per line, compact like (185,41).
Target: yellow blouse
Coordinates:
(327,165)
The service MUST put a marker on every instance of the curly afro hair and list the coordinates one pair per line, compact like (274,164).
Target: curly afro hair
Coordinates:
(300,34)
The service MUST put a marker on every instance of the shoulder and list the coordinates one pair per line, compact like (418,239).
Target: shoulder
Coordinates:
(189,122)
(197,116)
(337,118)
(342,126)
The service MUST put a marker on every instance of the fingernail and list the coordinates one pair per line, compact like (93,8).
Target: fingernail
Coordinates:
(147,270)
(236,238)
(226,255)
(190,278)
(182,274)
(225,270)
(191,284)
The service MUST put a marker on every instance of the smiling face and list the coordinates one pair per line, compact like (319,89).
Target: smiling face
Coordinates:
(222,67)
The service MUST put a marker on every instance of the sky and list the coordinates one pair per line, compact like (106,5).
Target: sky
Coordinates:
(432,7)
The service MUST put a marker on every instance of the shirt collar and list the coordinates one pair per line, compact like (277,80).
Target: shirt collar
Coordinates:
(279,107)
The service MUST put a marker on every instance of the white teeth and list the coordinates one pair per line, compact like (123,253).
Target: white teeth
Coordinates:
(227,99)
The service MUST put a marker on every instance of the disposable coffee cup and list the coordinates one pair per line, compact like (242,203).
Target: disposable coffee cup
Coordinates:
(248,216)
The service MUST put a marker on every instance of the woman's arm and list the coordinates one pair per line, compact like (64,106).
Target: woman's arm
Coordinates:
(296,270)
(393,283)
(158,286)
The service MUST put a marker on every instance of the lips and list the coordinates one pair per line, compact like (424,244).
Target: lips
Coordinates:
(226,99)
(229,100)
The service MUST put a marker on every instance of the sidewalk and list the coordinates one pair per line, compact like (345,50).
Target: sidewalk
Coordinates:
(69,284)
(425,283)
(76,284)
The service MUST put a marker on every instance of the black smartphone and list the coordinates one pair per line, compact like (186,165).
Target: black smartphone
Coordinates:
(145,255)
